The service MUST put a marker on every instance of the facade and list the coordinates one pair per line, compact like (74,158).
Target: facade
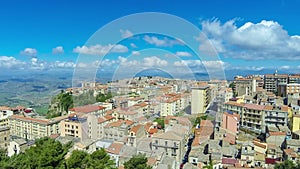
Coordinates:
(96,125)
(117,130)
(75,127)
(253,117)
(170,143)
(136,132)
(288,89)
(5,112)
(200,99)
(231,122)
(33,128)
(277,116)
(271,81)
(4,136)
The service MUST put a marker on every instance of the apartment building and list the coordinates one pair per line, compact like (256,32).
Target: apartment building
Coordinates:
(4,136)
(200,99)
(276,115)
(33,128)
(5,112)
(96,125)
(136,132)
(74,126)
(117,130)
(271,81)
(288,89)
(253,117)
(294,79)
(230,122)
(171,143)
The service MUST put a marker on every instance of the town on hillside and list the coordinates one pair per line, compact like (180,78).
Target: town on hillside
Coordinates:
(250,122)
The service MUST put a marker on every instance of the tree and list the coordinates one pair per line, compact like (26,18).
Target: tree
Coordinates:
(137,162)
(210,165)
(287,164)
(78,159)
(161,122)
(101,160)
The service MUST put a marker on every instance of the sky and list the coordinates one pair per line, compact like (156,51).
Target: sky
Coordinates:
(245,35)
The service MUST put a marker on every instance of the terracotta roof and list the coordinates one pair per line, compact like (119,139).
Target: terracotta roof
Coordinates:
(115,148)
(229,161)
(143,104)
(87,108)
(206,123)
(22,118)
(285,108)
(119,123)
(151,161)
(290,152)
(235,103)
(4,108)
(277,133)
(268,107)
(136,128)
(254,106)
(256,143)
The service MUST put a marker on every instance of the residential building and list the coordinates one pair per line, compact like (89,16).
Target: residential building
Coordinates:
(136,132)
(88,109)
(271,81)
(74,126)
(4,136)
(96,125)
(117,130)
(253,117)
(5,112)
(171,143)
(200,99)
(231,122)
(294,79)
(17,146)
(276,115)
(288,89)
(33,128)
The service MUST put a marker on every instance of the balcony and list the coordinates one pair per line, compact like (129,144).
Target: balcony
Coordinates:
(166,146)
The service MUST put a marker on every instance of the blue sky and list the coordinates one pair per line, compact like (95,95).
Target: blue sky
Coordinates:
(247,35)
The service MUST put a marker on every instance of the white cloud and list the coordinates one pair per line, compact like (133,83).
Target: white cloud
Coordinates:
(154,61)
(29,52)
(183,54)
(198,63)
(285,67)
(100,50)
(10,62)
(251,41)
(64,64)
(133,45)
(153,40)
(126,33)
(58,50)
(135,53)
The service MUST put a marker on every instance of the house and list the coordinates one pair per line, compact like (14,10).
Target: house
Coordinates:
(136,132)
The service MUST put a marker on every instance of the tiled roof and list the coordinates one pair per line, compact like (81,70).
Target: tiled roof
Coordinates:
(136,128)
(115,148)
(254,106)
(87,108)
(43,121)
(278,133)
(235,103)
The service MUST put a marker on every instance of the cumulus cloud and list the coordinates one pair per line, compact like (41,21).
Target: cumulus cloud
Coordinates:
(153,40)
(100,50)
(154,61)
(133,45)
(29,52)
(10,62)
(198,63)
(58,50)
(135,53)
(251,41)
(183,54)
(126,33)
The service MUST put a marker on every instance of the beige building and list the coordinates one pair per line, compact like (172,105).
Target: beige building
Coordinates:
(75,127)
(118,130)
(271,81)
(33,128)
(4,137)
(96,125)
(171,143)
(200,99)
(5,112)
(136,132)
(288,89)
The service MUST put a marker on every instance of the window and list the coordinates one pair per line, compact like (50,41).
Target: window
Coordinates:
(166,143)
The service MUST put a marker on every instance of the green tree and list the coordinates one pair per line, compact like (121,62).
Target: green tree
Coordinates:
(161,122)
(287,164)
(101,160)
(210,165)
(78,160)
(137,162)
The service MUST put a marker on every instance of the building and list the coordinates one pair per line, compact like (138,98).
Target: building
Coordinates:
(5,112)
(253,117)
(33,128)
(294,79)
(96,125)
(200,99)
(4,137)
(288,89)
(171,143)
(276,115)
(118,130)
(17,146)
(271,81)
(74,126)
(136,132)
(231,122)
